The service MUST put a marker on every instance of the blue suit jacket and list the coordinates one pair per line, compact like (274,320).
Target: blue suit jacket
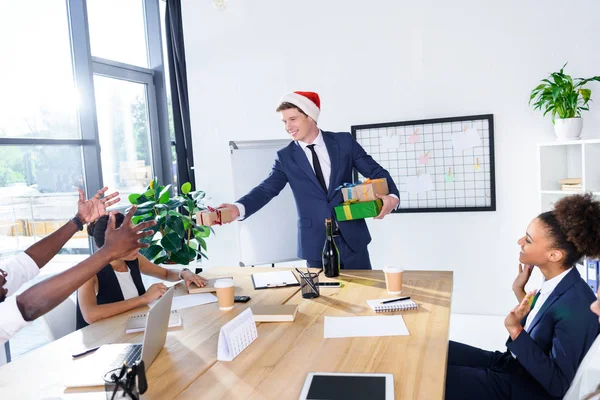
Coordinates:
(559,337)
(313,205)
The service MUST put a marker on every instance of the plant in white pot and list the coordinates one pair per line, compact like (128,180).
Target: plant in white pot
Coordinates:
(564,98)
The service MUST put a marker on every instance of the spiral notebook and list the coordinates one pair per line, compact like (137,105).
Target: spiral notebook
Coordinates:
(396,306)
(137,323)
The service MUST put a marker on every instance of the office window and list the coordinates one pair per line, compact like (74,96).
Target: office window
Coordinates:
(38,98)
(64,92)
(124,132)
(38,195)
(117,30)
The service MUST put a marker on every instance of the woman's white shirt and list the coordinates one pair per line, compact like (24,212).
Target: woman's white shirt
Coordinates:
(126,283)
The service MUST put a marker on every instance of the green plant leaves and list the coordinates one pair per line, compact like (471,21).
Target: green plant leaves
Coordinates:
(561,96)
(151,252)
(201,232)
(179,239)
(171,242)
(176,224)
(184,255)
(133,198)
(164,195)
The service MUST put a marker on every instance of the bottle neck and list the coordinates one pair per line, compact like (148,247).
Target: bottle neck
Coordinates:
(328,230)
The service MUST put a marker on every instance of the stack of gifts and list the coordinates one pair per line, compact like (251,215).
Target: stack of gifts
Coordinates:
(360,200)
(214,216)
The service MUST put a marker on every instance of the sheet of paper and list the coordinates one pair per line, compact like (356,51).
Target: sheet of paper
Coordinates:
(341,327)
(465,140)
(273,279)
(190,300)
(419,184)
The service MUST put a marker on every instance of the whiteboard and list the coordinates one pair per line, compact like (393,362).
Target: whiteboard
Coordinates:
(270,235)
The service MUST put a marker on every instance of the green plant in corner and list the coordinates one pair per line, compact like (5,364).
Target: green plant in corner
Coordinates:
(562,96)
(178,239)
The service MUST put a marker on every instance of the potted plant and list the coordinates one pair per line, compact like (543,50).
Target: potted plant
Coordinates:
(177,239)
(565,98)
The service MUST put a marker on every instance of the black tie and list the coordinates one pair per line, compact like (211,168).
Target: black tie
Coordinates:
(317,167)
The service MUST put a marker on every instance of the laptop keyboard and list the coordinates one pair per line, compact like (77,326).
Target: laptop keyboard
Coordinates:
(129,355)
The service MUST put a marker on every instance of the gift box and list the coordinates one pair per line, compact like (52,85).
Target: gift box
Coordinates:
(214,216)
(364,191)
(351,210)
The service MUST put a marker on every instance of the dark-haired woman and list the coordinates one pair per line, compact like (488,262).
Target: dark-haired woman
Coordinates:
(118,287)
(551,329)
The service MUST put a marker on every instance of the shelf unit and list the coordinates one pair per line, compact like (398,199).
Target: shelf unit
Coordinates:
(568,159)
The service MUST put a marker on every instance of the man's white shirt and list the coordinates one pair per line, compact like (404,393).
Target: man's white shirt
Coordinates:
(19,269)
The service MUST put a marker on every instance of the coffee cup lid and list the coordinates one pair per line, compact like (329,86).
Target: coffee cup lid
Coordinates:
(392,269)
(224,283)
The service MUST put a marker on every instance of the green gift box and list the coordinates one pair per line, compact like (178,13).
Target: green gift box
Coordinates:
(351,210)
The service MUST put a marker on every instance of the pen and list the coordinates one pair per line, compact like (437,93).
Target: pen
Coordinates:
(86,352)
(393,300)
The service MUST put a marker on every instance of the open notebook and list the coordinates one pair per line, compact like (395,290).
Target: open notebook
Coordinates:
(396,306)
(137,323)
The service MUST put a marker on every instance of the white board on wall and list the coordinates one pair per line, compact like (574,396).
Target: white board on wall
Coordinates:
(270,235)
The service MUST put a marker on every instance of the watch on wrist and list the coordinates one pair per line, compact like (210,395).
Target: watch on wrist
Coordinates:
(77,222)
(181,272)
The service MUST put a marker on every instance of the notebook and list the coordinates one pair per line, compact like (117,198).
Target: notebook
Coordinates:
(396,306)
(265,280)
(275,313)
(210,286)
(137,323)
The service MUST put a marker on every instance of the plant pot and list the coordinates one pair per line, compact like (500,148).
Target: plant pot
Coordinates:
(568,128)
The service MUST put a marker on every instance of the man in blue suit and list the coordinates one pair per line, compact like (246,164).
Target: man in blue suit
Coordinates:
(315,163)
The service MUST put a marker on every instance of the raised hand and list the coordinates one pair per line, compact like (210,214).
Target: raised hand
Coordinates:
(94,208)
(512,322)
(125,239)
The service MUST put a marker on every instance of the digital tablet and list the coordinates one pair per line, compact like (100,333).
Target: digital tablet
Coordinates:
(347,386)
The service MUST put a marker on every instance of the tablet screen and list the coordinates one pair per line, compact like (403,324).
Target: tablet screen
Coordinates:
(347,387)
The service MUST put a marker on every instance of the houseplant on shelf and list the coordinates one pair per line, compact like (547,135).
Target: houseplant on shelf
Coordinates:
(177,239)
(565,98)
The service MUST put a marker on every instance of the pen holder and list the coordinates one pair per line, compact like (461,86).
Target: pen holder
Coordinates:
(310,285)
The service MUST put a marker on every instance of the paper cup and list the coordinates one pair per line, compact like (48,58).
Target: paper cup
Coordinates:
(393,279)
(225,293)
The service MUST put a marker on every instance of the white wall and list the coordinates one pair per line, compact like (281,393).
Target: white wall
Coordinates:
(378,61)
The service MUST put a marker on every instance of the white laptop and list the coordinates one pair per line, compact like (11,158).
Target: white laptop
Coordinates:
(90,370)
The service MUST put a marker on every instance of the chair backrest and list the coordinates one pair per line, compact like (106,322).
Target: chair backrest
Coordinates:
(61,320)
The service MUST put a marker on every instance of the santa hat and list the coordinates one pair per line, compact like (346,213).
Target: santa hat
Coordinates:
(308,102)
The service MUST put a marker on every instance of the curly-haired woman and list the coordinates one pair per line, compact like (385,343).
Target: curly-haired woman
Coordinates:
(551,329)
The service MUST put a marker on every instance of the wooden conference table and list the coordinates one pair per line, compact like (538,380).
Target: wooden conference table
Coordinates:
(276,364)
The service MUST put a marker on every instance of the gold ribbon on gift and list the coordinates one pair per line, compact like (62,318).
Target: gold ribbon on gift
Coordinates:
(346,207)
